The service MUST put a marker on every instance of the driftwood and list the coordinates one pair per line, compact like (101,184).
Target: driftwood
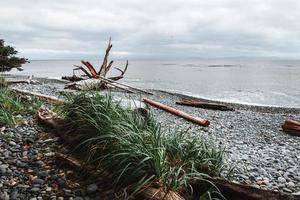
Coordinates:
(73,78)
(123,84)
(92,84)
(39,96)
(291,127)
(90,71)
(197,120)
(29,80)
(238,191)
(207,105)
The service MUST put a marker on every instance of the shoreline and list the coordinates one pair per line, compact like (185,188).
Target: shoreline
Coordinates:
(263,155)
(244,106)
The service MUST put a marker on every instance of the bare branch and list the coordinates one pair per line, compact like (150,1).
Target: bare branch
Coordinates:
(82,69)
(103,70)
(90,68)
(115,78)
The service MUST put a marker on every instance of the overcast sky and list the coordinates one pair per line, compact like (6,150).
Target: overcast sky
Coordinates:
(46,29)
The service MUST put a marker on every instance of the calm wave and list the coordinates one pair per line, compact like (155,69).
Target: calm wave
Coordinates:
(274,83)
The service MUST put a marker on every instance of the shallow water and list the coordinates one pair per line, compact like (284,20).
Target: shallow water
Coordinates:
(259,82)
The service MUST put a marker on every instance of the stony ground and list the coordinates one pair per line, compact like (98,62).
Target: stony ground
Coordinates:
(28,169)
(261,154)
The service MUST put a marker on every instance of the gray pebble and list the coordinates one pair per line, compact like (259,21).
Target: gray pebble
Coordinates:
(92,188)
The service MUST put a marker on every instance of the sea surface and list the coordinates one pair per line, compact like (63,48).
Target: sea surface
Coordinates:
(257,82)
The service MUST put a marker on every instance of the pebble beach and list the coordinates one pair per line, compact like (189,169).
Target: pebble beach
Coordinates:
(257,151)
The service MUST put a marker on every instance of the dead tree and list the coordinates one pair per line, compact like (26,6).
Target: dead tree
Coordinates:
(90,71)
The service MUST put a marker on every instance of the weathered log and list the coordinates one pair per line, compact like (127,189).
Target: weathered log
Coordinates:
(147,193)
(28,81)
(291,127)
(91,84)
(237,191)
(197,120)
(160,193)
(73,78)
(50,99)
(207,105)
(126,85)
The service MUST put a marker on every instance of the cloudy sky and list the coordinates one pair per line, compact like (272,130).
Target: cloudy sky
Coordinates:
(43,29)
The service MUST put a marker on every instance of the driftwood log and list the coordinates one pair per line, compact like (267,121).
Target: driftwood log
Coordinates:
(90,71)
(206,105)
(291,127)
(197,120)
(39,96)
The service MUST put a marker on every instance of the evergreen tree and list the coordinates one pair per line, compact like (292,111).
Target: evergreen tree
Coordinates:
(8,58)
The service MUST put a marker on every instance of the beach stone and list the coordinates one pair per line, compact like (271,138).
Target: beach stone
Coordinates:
(12,143)
(281,180)
(4,196)
(78,198)
(38,181)
(290,184)
(92,188)
(48,189)
(35,189)
(287,190)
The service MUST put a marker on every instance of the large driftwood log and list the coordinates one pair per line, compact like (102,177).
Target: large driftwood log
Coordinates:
(207,105)
(197,120)
(291,127)
(91,72)
(238,191)
(92,84)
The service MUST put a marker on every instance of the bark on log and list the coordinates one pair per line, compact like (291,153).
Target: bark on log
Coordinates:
(207,105)
(291,127)
(197,120)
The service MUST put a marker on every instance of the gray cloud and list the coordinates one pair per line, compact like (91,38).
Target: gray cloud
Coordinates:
(145,29)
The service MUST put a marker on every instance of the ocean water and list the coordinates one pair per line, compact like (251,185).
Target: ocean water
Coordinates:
(257,82)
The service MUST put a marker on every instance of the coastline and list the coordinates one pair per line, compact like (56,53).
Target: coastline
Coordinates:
(262,155)
(244,106)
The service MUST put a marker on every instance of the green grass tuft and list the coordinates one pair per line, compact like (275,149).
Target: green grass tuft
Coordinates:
(133,152)
(13,107)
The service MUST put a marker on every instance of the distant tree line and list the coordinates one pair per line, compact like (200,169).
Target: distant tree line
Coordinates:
(8,58)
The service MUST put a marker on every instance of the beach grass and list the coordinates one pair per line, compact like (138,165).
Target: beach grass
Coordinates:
(133,152)
(13,107)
